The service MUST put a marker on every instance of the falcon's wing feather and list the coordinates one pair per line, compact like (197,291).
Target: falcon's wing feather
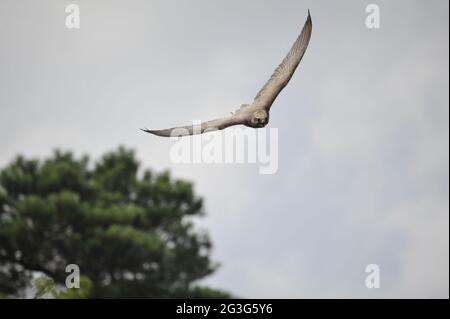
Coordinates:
(286,69)
(218,124)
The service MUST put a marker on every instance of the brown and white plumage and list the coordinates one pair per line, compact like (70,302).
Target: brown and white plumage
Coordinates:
(256,114)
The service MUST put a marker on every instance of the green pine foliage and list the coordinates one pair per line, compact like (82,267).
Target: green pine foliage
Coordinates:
(130,231)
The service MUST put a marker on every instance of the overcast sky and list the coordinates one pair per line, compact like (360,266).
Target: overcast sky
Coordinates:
(363,127)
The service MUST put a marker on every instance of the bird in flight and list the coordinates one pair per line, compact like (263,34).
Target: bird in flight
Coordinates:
(256,114)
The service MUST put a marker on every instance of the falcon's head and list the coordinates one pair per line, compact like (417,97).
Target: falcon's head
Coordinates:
(259,119)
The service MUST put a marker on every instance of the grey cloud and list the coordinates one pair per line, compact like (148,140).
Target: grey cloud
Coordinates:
(363,125)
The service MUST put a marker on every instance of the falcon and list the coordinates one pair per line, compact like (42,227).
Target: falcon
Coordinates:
(256,114)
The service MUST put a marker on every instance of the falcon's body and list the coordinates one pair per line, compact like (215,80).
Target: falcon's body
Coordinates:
(254,115)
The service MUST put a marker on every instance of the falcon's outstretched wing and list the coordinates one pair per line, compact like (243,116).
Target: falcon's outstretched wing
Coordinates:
(285,70)
(218,124)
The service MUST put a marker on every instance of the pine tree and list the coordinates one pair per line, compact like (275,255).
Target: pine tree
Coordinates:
(130,232)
